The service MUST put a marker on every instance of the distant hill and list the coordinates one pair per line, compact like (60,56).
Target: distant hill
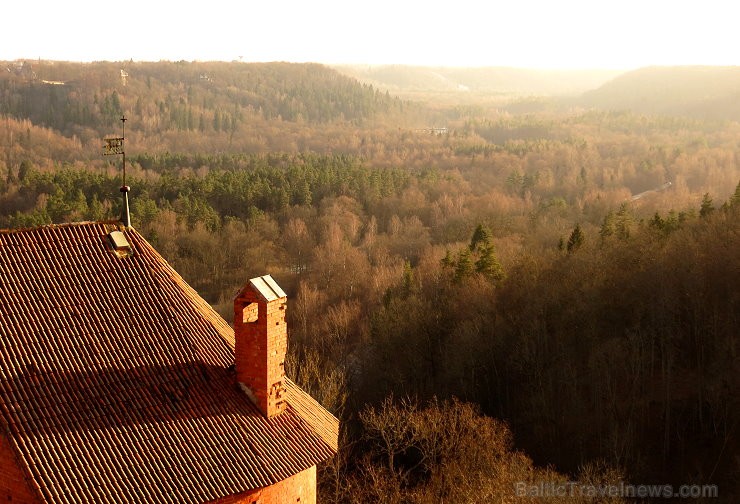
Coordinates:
(207,97)
(699,92)
(504,80)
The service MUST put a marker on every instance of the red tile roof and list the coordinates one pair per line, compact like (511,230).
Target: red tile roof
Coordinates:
(115,381)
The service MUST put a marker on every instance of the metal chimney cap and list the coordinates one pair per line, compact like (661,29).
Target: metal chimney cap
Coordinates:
(267,288)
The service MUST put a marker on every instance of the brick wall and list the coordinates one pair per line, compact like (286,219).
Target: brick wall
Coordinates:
(298,489)
(14,487)
(261,338)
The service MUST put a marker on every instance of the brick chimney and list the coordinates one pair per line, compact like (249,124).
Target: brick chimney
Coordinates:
(261,343)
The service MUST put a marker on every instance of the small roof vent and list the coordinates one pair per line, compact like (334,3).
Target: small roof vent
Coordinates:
(119,243)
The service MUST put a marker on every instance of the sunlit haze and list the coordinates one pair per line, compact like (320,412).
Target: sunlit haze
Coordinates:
(528,33)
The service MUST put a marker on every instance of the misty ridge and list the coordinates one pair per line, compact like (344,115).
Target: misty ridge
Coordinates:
(500,278)
(492,80)
(701,92)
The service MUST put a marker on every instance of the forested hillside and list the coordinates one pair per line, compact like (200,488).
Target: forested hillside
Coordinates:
(222,102)
(477,304)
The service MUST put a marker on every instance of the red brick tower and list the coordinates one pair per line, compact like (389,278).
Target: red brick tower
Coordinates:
(261,343)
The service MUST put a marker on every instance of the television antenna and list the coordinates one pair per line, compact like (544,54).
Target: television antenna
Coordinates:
(113,147)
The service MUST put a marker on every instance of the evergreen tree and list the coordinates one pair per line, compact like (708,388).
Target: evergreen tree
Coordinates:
(95,209)
(463,265)
(481,235)
(735,198)
(217,120)
(408,278)
(576,239)
(302,193)
(623,221)
(707,207)
(671,222)
(488,265)
(608,226)
(657,222)
(447,260)
(9,176)
(191,120)
(115,105)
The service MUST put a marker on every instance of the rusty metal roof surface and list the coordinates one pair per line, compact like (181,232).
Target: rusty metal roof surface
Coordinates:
(115,382)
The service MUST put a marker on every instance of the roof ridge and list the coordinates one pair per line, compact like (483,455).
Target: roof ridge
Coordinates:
(319,419)
(114,222)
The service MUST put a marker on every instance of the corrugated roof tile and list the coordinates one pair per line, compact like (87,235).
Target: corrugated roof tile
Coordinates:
(114,383)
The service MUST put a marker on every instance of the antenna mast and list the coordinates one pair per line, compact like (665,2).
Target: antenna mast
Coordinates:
(123,150)
(114,146)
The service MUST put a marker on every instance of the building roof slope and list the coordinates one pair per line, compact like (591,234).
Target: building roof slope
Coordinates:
(116,381)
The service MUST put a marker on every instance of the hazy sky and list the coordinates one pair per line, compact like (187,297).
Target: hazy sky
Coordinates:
(522,33)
